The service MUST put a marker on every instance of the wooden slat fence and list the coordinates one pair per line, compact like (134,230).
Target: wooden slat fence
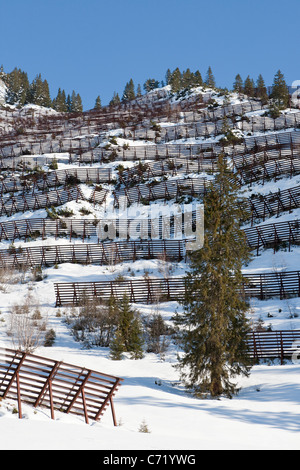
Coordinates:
(171,166)
(28,202)
(40,381)
(68,177)
(165,190)
(149,290)
(83,228)
(265,170)
(273,204)
(109,253)
(276,235)
(282,344)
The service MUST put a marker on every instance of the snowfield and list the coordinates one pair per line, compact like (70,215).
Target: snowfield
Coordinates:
(263,416)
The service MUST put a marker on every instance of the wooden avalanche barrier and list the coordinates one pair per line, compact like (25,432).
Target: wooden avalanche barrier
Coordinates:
(39,381)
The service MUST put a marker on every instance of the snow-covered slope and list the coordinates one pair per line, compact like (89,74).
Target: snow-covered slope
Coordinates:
(2,93)
(264,415)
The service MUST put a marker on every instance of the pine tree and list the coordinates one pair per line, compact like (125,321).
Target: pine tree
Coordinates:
(280,92)
(249,88)
(210,79)
(60,102)
(212,328)
(138,91)
(168,76)
(98,103)
(129,93)
(261,90)
(76,103)
(198,79)
(150,84)
(128,336)
(115,101)
(238,84)
(69,103)
(187,79)
(39,92)
(17,87)
(176,80)
(117,346)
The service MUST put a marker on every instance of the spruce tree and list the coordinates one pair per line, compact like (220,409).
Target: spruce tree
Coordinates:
(138,91)
(129,93)
(17,87)
(176,80)
(249,88)
(60,102)
(150,84)
(168,76)
(76,103)
(210,79)
(238,84)
(213,326)
(280,92)
(115,101)
(261,90)
(69,103)
(39,92)
(128,335)
(187,78)
(198,81)
(98,103)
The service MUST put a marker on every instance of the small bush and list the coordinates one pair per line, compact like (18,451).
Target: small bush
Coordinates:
(49,338)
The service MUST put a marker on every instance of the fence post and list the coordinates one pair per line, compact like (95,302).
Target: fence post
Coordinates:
(281,349)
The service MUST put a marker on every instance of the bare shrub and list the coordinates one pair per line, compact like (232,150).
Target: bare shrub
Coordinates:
(8,276)
(94,323)
(27,324)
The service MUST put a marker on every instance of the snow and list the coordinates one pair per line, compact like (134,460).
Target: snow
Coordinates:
(2,93)
(264,414)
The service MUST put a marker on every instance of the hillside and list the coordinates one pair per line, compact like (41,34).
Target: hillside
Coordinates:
(63,172)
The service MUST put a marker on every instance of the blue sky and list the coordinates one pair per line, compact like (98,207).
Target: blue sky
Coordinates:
(95,47)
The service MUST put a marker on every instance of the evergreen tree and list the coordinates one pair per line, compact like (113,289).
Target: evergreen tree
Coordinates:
(73,102)
(210,79)
(175,80)
(198,79)
(128,336)
(76,103)
(261,90)
(98,104)
(17,87)
(69,103)
(39,92)
(138,91)
(187,79)
(249,88)
(238,84)
(212,328)
(115,101)
(150,84)
(280,92)
(129,93)
(168,77)
(60,102)
(117,346)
